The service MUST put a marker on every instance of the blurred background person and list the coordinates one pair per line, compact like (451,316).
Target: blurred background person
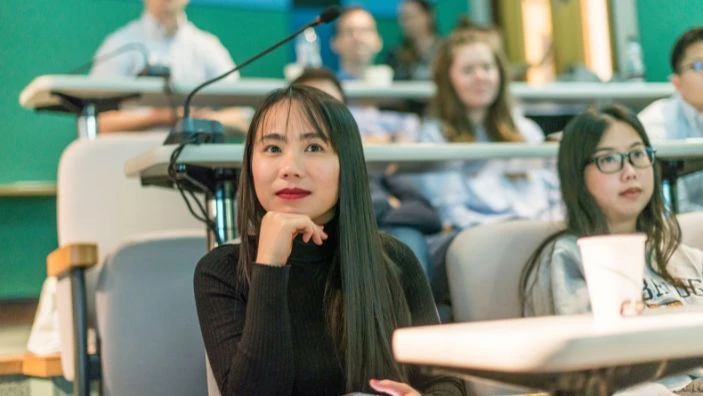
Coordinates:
(472,104)
(412,59)
(681,115)
(356,41)
(172,41)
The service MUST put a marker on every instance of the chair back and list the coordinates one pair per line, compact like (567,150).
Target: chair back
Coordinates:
(484,264)
(97,203)
(146,321)
(692,229)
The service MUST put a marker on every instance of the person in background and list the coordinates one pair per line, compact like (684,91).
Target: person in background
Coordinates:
(611,184)
(356,41)
(307,302)
(681,115)
(472,105)
(170,40)
(412,59)
(400,210)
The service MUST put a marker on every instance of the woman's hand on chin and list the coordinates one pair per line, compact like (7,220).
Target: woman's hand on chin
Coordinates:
(277,233)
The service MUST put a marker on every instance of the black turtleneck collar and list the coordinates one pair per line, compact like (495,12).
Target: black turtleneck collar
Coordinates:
(310,252)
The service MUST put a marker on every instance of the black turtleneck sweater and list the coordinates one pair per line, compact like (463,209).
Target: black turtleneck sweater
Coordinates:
(270,338)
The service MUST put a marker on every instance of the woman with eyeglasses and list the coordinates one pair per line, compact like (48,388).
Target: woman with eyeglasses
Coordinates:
(611,184)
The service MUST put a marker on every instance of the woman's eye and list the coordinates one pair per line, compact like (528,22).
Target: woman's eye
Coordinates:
(314,148)
(636,154)
(271,148)
(609,159)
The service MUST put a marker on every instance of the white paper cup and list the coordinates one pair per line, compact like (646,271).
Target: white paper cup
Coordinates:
(614,269)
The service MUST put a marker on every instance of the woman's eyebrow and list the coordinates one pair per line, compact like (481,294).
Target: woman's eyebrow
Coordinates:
(613,149)
(314,135)
(273,136)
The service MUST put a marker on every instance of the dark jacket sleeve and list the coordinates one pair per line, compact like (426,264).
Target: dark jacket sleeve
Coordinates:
(423,313)
(246,329)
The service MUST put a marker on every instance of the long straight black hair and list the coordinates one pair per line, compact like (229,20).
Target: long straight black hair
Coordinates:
(583,216)
(364,298)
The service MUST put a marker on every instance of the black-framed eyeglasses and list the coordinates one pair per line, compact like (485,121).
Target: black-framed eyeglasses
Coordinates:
(642,157)
(696,66)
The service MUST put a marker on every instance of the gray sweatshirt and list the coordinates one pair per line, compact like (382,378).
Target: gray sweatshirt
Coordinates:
(557,286)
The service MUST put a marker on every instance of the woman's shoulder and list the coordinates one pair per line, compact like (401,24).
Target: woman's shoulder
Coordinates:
(689,255)
(400,254)
(394,248)
(563,245)
(220,262)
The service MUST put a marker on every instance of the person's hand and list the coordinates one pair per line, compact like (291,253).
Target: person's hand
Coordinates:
(277,233)
(393,388)
(165,115)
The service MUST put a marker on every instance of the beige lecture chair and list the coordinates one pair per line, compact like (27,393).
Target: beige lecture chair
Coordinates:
(484,264)
(100,214)
(692,229)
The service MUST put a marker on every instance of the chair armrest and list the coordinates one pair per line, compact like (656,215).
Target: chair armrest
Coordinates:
(42,366)
(31,365)
(11,365)
(75,255)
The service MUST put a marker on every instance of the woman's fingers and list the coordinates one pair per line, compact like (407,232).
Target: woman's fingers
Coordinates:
(393,388)
(278,231)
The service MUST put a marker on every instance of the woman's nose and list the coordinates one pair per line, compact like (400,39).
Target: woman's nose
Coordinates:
(628,170)
(291,165)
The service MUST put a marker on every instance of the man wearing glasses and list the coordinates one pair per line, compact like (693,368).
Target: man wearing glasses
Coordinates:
(681,115)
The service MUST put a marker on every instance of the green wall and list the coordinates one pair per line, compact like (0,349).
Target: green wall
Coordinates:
(52,36)
(660,23)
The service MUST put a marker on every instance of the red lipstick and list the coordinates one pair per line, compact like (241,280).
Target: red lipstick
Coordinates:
(292,193)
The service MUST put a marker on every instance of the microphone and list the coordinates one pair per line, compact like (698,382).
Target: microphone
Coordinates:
(213,131)
(148,70)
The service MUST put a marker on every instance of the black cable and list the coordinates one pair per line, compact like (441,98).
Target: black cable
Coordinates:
(173,176)
(171,98)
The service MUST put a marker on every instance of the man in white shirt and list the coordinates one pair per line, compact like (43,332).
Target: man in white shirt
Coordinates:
(169,39)
(681,115)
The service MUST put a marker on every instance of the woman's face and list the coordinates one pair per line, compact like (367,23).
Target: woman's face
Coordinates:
(623,194)
(294,168)
(413,19)
(474,75)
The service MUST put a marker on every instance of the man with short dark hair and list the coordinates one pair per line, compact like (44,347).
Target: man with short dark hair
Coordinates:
(681,115)
(356,41)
